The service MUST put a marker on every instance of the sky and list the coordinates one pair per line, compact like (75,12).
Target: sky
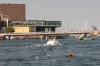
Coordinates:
(73,14)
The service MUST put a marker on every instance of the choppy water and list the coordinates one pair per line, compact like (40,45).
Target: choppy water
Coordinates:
(31,52)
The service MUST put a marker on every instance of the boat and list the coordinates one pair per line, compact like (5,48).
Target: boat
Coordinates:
(53,42)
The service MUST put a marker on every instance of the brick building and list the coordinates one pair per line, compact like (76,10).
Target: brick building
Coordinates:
(14,15)
(14,11)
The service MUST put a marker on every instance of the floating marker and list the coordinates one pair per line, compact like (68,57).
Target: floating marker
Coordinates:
(83,40)
(41,38)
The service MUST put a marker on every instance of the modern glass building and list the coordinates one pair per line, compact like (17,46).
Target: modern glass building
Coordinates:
(37,25)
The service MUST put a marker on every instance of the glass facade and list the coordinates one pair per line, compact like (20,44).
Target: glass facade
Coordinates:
(35,23)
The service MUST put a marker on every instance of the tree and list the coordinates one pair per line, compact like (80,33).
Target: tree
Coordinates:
(9,29)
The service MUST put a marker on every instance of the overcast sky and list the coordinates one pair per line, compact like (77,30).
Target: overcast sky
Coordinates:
(74,12)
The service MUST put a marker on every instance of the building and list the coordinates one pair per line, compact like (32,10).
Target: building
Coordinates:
(3,21)
(13,11)
(14,15)
(34,26)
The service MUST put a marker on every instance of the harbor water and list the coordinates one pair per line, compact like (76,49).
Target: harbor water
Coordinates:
(32,52)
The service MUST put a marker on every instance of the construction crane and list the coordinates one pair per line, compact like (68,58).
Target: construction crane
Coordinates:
(94,27)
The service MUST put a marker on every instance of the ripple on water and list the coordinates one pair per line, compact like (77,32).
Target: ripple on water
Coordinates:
(31,52)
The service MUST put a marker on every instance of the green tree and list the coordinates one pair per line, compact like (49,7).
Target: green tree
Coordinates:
(9,29)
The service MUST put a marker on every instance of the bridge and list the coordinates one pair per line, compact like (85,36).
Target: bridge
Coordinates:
(44,34)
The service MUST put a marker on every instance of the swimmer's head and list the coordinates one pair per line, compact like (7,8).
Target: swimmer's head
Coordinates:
(36,57)
(70,54)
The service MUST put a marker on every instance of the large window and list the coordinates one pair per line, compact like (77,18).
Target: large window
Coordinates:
(35,23)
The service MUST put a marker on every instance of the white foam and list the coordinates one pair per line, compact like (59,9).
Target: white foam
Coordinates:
(36,45)
(51,45)
(39,45)
(36,57)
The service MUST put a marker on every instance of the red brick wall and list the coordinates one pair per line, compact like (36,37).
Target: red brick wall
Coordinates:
(14,11)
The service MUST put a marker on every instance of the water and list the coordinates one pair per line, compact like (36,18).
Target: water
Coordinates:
(31,52)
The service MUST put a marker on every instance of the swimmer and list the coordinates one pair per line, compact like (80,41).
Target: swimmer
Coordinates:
(36,57)
(70,54)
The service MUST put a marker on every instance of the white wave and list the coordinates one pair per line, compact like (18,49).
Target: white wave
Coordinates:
(59,44)
(36,57)
(40,45)
(51,45)
(47,55)
(36,45)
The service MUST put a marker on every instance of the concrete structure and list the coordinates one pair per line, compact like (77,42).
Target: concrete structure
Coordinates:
(95,33)
(14,15)
(45,35)
(3,21)
(14,11)
(11,12)
(34,26)
(24,29)
(21,29)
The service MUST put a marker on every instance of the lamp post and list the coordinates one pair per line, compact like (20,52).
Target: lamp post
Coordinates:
(68,25)
(85,25)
